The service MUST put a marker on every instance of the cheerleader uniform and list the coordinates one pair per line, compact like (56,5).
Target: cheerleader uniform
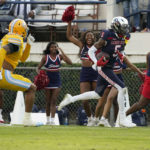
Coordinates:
(87,74)
(52,70)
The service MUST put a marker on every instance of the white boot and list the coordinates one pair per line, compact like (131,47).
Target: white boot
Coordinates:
(65,101)
(124,121)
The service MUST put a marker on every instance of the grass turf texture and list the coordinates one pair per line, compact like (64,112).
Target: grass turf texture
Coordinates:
(74,138)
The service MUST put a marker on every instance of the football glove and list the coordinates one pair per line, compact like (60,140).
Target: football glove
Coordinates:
(30,39)
(102,61)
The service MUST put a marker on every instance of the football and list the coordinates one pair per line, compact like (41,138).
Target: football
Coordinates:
(106,55)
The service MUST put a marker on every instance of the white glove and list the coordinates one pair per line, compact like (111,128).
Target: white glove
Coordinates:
(30,39)
(0,75)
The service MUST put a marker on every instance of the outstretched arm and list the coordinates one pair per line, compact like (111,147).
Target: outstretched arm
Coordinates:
(132,66)
(26,52)
(71,38)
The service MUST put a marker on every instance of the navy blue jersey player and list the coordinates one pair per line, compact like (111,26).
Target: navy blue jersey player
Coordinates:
(112,42)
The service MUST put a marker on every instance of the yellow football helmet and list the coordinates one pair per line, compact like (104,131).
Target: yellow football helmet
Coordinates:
(18,26)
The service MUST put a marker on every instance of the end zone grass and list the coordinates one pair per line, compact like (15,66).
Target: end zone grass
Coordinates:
(74,138)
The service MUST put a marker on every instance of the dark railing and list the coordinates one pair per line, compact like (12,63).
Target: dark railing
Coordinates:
(138,12)
(56,2)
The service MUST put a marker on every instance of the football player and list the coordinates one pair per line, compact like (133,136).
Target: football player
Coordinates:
(111,42)
(11,52)
(145,94)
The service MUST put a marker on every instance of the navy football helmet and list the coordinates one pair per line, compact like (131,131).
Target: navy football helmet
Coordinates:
(120,25)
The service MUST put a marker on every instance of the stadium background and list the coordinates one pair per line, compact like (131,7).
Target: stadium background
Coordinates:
(45,32)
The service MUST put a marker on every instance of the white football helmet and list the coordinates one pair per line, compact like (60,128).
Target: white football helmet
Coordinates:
(120,25)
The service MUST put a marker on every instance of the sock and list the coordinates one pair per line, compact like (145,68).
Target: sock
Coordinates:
(27,115)
(96,118)
(52,119)
(89,118)
(85,96)
(103,118)
(48,118)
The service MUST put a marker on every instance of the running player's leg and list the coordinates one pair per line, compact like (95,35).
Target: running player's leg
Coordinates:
(138,105)
(112,94)
(17,82)
(114,80)
(100,106)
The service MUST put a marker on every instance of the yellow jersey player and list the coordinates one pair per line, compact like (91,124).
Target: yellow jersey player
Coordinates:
(11,52)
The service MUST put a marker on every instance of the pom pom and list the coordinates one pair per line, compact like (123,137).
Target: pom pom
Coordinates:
(69,14)
(41,80)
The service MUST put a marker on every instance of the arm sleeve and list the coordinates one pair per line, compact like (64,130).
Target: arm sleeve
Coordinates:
(26,53)
(91,53)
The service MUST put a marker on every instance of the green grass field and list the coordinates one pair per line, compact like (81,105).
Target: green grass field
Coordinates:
(74,138)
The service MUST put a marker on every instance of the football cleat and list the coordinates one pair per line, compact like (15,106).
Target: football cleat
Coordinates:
(104,123)
(92,122)
(126,123)
(66,101)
